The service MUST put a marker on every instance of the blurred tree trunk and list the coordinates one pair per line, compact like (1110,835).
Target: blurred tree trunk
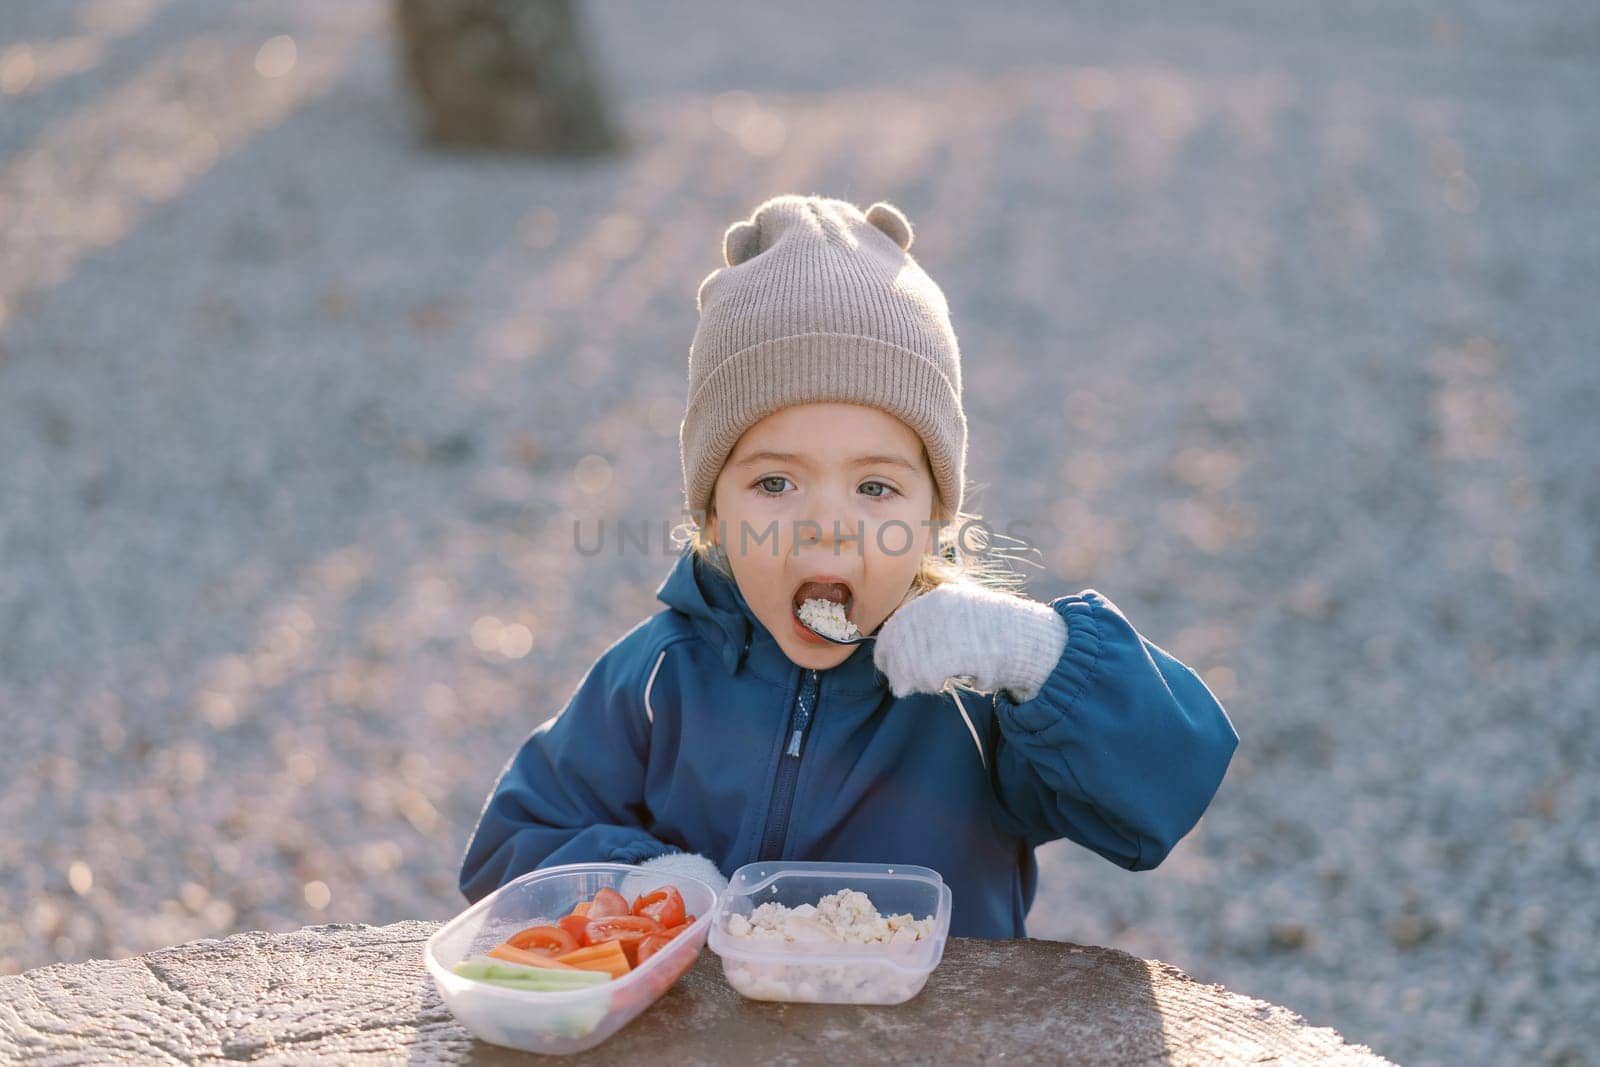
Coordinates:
(508,74)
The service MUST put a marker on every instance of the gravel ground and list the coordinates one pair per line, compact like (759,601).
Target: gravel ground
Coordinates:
(296,419)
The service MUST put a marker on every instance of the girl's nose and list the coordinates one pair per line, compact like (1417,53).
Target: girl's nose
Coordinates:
(829,522)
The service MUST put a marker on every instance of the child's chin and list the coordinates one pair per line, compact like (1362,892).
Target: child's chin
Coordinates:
(824,662)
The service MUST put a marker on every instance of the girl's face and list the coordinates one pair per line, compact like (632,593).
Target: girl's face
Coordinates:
(829,492)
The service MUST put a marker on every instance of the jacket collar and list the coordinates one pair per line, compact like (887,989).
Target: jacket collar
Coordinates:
(723,618)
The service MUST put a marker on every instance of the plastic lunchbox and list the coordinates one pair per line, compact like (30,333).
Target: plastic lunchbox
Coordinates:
(564,1022)
(831,973)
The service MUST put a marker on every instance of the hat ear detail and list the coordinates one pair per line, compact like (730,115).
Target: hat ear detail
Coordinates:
(704,289)
(892,221)
(741,241)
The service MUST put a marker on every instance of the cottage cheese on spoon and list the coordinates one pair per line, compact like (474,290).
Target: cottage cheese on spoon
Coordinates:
(827,617)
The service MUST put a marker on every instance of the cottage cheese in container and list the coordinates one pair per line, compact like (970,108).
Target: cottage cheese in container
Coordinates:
(814,932)
(847,917)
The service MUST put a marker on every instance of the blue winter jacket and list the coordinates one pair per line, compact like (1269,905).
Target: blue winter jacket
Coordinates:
(687,735)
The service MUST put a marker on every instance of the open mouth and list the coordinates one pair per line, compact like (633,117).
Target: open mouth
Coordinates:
(836,592)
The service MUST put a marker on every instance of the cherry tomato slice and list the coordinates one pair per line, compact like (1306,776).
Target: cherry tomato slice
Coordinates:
(664,905)
(655,942)
(608,902)
(577,926)
(628,929)
(651,945)
(551,940)
(621,926)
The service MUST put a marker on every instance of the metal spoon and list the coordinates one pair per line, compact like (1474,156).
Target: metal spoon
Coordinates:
(860,638)
(963,680)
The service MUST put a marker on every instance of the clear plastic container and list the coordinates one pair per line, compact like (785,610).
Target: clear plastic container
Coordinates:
(831,973)
(562,1022)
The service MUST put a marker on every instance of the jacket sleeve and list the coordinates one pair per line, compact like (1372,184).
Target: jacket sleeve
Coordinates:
(1122,748)
(574,791)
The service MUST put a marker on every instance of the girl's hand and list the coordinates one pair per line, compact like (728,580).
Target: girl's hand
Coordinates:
(1000,640)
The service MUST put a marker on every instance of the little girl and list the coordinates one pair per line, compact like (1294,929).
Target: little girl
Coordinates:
(823,452)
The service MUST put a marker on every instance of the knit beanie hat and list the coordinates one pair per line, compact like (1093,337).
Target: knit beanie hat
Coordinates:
(819,302)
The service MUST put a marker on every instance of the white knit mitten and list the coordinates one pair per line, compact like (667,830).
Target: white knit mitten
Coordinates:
(689,865)
(1000,640)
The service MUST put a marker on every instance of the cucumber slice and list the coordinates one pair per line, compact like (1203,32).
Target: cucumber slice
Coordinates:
(523,976)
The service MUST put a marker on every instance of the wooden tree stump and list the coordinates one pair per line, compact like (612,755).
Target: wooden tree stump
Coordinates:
(356,994)
(512,75)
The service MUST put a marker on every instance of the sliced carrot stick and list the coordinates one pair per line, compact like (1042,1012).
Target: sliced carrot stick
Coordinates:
(607,956)
(580,908)
(512,954)
(598,950)
(603,951)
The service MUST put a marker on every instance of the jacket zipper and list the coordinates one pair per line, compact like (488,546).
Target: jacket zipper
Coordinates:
(805,706)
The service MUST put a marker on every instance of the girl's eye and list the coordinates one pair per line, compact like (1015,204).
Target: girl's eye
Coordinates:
(773,486)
